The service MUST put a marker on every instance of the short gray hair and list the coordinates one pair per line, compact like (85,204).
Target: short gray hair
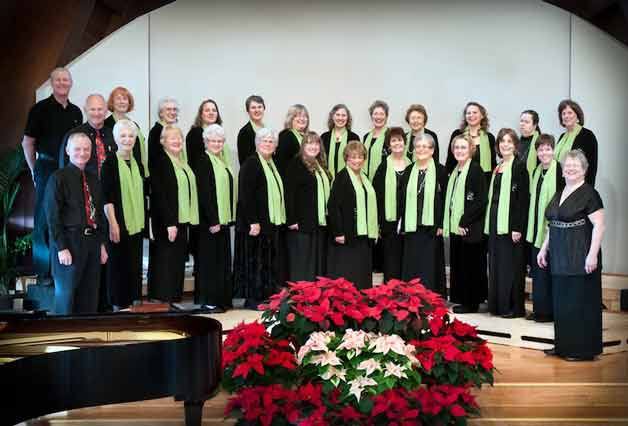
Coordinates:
(576,154)
(60,70)
(424,137)
(166,100)
(214,130)
(75,136)
(95,95)
(293,111)
(264,132)
(124,125)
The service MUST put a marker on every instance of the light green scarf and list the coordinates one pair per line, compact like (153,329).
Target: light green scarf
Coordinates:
(453,216)
(322,194)
(186,188)
(503,208)
(531,160)
(390,189)
(548,189)
(297,135)
(225,194)
(374,160)
(485,150)
(274,185)
(132,191)
(366,206)
(429,188)
(332,151)
(565,143)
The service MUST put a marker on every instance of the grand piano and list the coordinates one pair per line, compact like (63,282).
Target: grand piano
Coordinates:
(57,363)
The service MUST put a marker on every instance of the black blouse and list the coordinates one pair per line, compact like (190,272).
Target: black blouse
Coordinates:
(434,136)
(571,231)
(326,138)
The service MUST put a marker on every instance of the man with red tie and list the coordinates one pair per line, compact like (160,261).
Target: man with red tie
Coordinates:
(74,209)
(100,135)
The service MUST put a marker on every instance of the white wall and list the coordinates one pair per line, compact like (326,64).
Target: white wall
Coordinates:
(509,56)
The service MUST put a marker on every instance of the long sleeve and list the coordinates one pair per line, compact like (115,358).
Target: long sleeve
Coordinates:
(54,211)
(194,145)
(206,188)
(164,195)
(521,193)
(245,143)
(587,142)
(476,196)
(287,149)
(248,187)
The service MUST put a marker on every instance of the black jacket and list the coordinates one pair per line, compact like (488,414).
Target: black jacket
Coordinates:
(110,180)
(475,202)
(587,142)
(253,197)
(519,198)
(155,150)
(206,188)
(434,136)
(246,142)
(65,204)
(92,164)
(439,195)
(326,139)
(301,196)
(341,207)
(194,145)
(287,148)
(451,160)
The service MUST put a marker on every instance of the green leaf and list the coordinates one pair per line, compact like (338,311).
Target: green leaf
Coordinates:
(366,405)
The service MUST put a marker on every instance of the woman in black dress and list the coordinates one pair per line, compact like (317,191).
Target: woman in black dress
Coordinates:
(307,190)
(374,141)
(335,140)
(464,210)
(168,116)
(255,108)
(505,225)
(571,117)
(174,207)
(217,191)
(576,228)
(388,187)
(120,104)
(291,137)
(207,115)
(475,124)
(261,216)
(546,179)
(352,209)
(122,181)
(416,117)
(529,128)
(422,199)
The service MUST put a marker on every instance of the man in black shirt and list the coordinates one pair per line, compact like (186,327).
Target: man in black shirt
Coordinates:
(100,135)
(48,121)
(74,209)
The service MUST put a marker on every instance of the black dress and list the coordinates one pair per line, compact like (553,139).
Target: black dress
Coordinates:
(577,295)
(166,266)
(353,259)
(214,279)
(542,300)
(423,250)
(391,238)
(124,267)
(451,160)
(287,148)
(587,142)
(410,143)
(307,246)
(326,138)
(506,259)
(259,262)
(468,282)
(246,142)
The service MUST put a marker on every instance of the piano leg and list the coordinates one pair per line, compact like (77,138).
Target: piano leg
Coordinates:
(193,413)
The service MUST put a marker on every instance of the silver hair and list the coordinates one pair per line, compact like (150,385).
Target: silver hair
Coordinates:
(163,101)
(60,70)
(425,137)
(264,132)
(95,95)
(214,130)
(293,111)
(75,136)
(124,125)
(576,154)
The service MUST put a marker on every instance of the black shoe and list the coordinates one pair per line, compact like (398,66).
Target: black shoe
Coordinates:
(210,309)
(461,309)
(550,352)
(509,315)
(578,358)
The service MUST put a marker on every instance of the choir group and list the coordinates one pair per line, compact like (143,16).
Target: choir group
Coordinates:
(305,205)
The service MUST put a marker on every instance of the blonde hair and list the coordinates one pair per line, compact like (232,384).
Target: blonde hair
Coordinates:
(354,146)
(293,111)
(320,160)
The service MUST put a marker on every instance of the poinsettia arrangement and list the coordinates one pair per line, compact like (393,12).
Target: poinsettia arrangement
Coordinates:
(329,354)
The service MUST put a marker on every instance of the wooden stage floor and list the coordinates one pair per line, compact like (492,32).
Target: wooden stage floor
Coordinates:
(530,389)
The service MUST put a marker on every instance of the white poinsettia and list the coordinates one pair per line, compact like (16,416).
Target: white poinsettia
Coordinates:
(369,365)
(333,372)
(384,343)
(326,358)
(392,369)
(318,341)
(354,340)
(358,384)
